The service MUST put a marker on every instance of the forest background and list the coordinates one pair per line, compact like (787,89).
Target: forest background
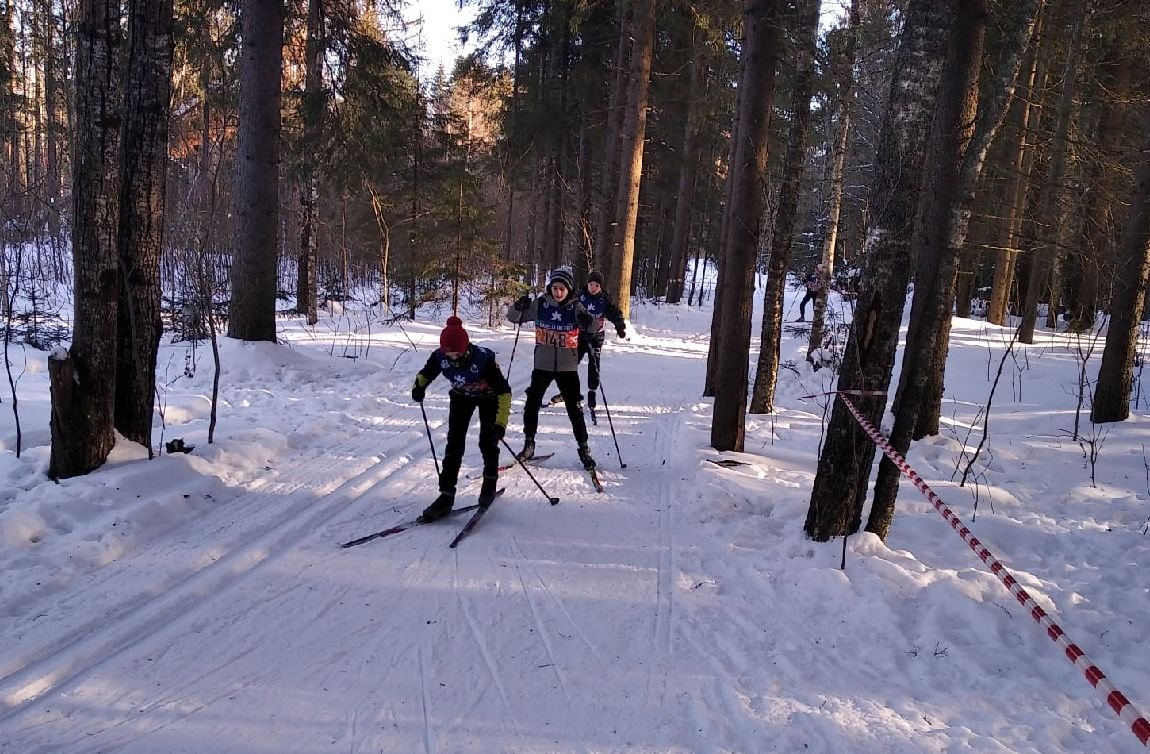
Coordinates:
(202,168)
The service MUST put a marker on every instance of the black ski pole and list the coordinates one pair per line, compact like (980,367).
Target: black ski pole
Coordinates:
(427,426)
(607,408)
(553,500)
(518,329)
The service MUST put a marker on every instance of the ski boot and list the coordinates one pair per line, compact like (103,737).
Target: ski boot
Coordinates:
(440,508)
(487,491)
(528,451)
(585,457)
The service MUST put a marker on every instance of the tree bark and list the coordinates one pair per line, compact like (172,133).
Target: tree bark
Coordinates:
(618,273)
(937,240)
(838,161)
(143,180)
(688,170)
(757,89)
(609,177)
(1115,374)
(1055,199)
(312,117)
(83,381)
(844,465)
(253,274)
(767,369)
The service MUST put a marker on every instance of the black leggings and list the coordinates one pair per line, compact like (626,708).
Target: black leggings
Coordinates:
(594,347)
(568,384)
(458,422)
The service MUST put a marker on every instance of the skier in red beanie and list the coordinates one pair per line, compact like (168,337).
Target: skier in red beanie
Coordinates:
(476,383)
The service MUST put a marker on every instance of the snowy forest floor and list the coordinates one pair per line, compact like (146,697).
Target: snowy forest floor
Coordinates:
(199,602)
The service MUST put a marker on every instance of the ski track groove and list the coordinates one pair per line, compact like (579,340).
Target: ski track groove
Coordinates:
(558,602)
(428,738)
(477,635)
(544,634)
(664,585)
(68,658)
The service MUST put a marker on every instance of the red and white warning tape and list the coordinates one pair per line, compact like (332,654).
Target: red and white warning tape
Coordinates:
(1113,697)
(867,393)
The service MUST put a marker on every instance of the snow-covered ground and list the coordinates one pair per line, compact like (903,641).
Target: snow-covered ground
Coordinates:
(200,603)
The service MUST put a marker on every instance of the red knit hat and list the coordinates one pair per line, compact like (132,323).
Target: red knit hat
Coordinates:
(454,338)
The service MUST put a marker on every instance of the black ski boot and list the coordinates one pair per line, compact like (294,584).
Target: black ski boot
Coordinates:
(487,491)
(585,457)
(528,451)
(440,508)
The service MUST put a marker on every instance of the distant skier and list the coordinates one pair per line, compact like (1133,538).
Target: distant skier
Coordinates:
(559,318)
(815,282)
(476,383)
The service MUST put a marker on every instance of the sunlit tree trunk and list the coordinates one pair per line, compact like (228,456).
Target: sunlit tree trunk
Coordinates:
(618,271)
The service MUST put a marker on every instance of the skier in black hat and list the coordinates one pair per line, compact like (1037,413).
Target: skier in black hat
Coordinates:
(599,304)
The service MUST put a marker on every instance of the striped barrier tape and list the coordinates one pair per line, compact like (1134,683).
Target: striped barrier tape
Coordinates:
(865,393)
(1114,698)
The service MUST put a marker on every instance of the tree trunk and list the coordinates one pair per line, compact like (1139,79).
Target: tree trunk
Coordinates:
(844,465)
(609,177)
(688,170)
(989,121)
(1026,109)
(254,281)
(767,369)
(143,159)
(1115,374)
(618,273)
(937,239)
(1055,198)
(740,252)
(838,160)
(311,114)
(1098,242)
(83,383)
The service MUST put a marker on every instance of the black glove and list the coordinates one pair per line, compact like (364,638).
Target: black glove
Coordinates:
(621,331)
(417,393)
(584,319)
(498,431)
(523,304)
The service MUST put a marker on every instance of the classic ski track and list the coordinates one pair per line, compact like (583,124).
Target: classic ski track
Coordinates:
(665,611)
(558,602)
(177,714)
(425,702)
(81,650)
(664,585)
(544,634)
(477,635)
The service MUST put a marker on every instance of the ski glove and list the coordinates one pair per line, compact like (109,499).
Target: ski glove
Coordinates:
(621,331)
(523,304)
(498,431)
(584,319)
(417,393)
